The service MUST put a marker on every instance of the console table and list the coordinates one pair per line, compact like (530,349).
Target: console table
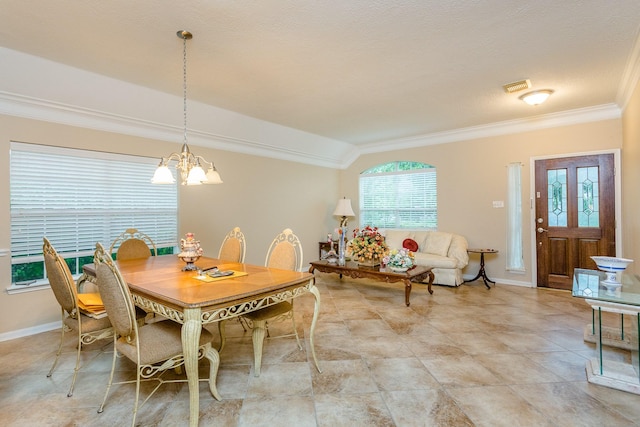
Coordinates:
(624,301)
(356,271)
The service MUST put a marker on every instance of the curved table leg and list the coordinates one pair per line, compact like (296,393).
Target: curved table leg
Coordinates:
(316,309)
(214,363)
(259,331)
(431,279)
(223,335)
(191,330)
(407,291)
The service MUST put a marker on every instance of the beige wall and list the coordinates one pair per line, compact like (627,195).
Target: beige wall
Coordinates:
(631,181)
(472,174)
(262,196)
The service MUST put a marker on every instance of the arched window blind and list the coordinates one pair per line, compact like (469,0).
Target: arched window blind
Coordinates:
(77,198)
(399,194)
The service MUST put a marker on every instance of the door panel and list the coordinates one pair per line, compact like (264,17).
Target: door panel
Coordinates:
(575,215)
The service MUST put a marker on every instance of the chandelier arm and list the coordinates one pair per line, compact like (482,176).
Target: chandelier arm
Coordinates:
(205,161)
(170,157)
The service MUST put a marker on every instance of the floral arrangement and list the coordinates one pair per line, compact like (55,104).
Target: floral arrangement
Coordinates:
(367,244)
(399,258)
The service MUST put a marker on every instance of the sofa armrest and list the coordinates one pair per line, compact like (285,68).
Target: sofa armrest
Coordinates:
(458,250)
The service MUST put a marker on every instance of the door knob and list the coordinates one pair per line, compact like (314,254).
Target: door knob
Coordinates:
(542,230)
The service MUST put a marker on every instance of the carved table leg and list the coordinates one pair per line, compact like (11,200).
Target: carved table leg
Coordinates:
(191,330)
(407,291)
(431,278)
(316,310)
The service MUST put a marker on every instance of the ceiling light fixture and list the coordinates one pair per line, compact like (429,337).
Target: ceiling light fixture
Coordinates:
(189,165)
(536,97)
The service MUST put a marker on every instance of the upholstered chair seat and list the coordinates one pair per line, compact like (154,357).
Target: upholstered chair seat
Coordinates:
(158,343)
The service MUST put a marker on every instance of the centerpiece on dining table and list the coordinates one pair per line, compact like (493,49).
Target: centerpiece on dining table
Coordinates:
(399,260)
(368,246)
(190,252)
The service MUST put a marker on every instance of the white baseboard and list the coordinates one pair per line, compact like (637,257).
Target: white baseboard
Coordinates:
(6,336)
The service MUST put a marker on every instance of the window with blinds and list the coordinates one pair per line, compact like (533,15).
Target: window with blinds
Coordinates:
(77,198)
(399,195)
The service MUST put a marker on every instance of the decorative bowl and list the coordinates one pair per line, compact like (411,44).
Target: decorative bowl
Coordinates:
(399,269)
(611,265)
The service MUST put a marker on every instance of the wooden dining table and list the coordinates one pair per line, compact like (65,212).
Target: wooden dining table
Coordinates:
(159,285)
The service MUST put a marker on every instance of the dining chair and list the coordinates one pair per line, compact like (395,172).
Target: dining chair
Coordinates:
(154,348)
(133,244)
(285,252)
(233,246)
(64,288)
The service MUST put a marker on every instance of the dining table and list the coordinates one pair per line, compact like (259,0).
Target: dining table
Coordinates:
(158,284)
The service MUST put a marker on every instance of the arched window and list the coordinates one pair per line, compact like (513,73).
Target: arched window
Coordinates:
(399,194)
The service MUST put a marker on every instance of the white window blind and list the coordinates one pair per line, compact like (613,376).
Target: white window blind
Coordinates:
(400,198)
(77,198)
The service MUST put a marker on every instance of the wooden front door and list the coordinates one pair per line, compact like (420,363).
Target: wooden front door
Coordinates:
(575,215)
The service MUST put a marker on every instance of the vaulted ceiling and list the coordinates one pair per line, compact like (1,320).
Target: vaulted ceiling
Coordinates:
(357,71)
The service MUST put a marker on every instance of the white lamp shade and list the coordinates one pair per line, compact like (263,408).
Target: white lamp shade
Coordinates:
(213,177)
(344,208)
(196,176)
(163,175)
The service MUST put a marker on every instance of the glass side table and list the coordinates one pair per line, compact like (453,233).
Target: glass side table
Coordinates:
(624,300)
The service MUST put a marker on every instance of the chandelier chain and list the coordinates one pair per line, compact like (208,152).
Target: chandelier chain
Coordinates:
(184,84)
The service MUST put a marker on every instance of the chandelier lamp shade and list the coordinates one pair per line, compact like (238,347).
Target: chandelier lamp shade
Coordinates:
(189,166)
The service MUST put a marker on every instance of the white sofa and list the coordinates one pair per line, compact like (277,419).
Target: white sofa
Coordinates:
(445,252)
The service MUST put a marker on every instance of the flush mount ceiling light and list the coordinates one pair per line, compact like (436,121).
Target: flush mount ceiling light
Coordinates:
(189,165)
(536,97)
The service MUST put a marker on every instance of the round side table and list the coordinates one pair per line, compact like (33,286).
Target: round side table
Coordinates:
(482,273)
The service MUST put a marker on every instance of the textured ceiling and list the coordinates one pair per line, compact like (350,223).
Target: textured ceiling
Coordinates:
(358,71)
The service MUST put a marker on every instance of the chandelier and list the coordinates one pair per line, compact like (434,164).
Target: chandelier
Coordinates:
(188,164)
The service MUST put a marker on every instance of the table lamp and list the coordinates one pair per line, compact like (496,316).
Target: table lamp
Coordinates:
(343,210)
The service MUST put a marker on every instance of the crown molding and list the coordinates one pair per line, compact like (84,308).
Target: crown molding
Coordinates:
(50,111)
(565,118)
(630,76)
(12,104)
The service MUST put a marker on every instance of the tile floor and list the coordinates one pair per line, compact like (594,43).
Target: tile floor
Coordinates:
(466,356)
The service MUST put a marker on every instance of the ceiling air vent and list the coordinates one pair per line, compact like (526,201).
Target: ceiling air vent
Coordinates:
(517,86)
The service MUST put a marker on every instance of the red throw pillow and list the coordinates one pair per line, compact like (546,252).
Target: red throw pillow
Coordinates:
(410,244)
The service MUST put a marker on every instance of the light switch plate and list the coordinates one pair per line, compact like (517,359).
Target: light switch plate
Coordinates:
(498,204)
